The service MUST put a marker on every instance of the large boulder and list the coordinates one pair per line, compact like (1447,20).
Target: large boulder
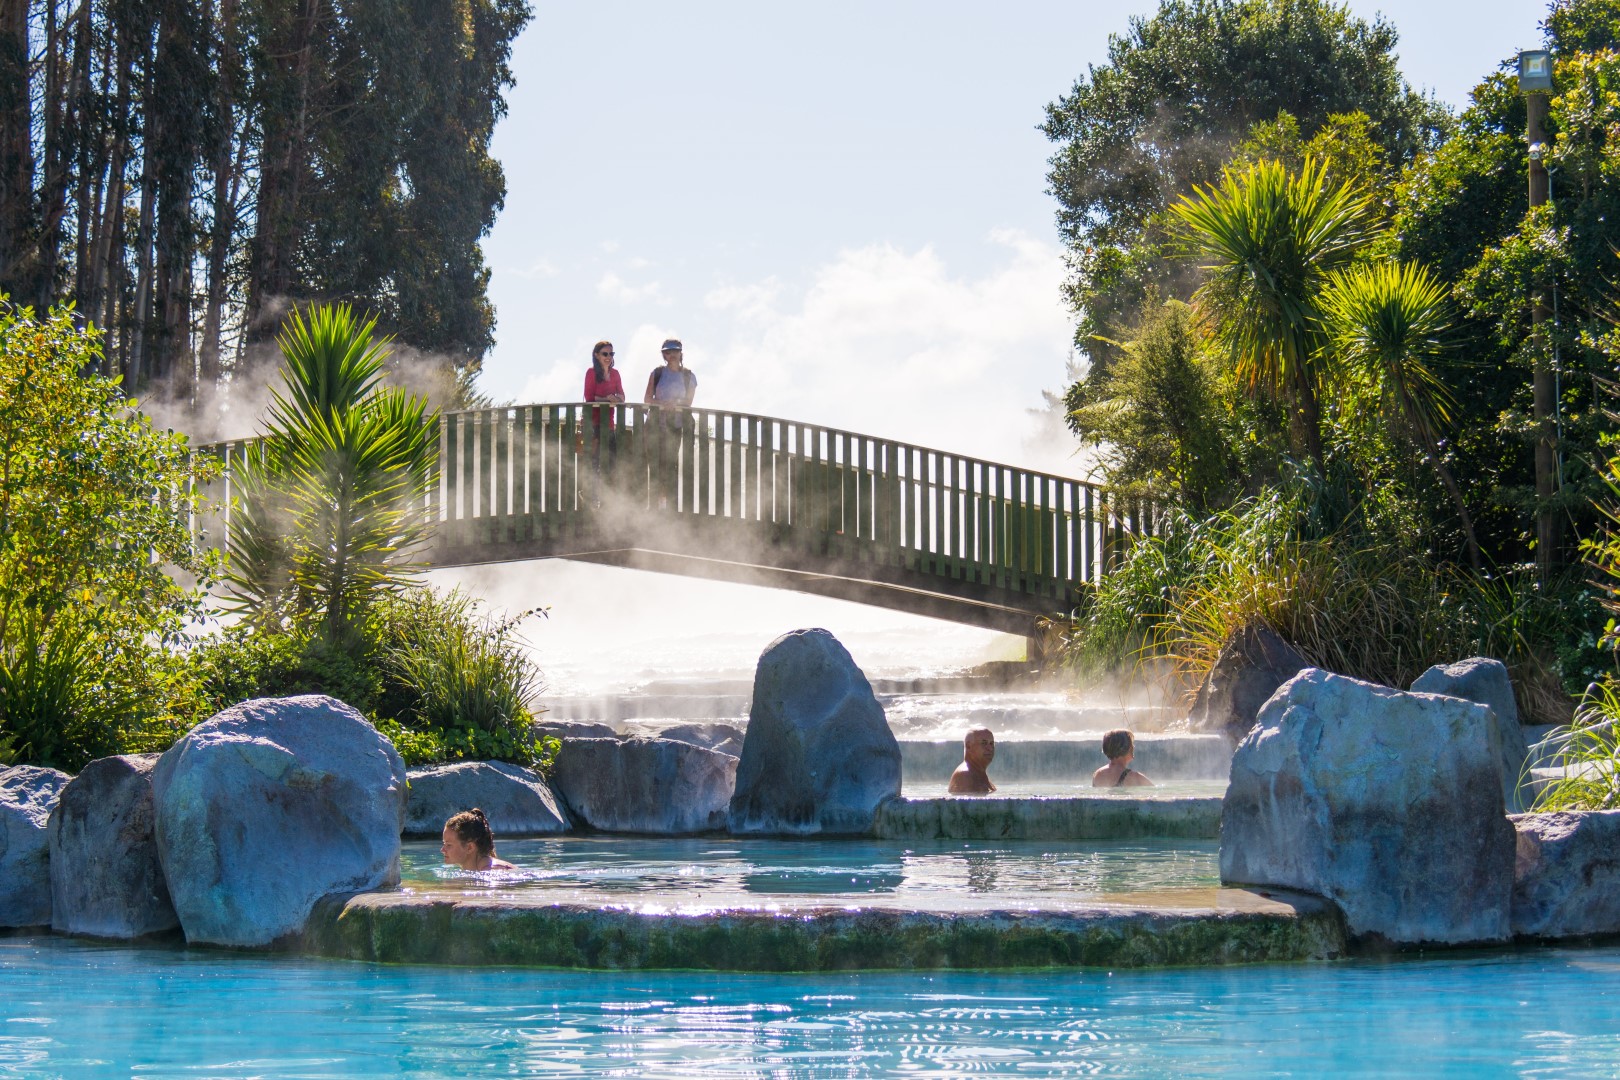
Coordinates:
(106,880)
(1387,803)
(818,756)
(516,801)
(1486,681)
(28,793)
(645,785)
(271,805)
(1247,671)
(1566,882)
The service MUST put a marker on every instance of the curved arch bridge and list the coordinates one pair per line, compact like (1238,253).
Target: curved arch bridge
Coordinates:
(766,501)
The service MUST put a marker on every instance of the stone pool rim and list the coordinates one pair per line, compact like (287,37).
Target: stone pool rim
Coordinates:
(1240,926)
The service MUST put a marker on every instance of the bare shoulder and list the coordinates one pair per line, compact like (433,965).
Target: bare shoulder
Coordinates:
(1136,779)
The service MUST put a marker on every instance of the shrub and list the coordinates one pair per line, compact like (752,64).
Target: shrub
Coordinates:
(1348,600)
(1590,752)
(245,661)
(442,681)
(461,676)
(95,518)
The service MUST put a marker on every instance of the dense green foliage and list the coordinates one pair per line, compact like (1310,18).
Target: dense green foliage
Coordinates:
(182,170)
(1178,94)
(95,512)
(1372,300)
(1269,239)
(1350,600)
(1171,419)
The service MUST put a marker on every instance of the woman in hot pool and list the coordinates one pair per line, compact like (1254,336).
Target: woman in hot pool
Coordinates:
(470,844)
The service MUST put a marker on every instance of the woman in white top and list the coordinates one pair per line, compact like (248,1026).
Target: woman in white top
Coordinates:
(672,384)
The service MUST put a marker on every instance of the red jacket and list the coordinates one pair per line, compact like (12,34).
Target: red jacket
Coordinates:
(600,390)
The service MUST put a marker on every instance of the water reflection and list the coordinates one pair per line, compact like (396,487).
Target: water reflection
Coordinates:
(673,870)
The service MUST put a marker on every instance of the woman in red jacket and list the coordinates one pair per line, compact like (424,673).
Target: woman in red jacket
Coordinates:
(602,384)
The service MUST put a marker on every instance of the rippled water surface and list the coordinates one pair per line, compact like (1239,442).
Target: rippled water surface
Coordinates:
(920,873)
(81,1010)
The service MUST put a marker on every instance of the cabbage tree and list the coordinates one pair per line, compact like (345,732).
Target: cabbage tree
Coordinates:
(1389,323)
(331,510)
(1269,241)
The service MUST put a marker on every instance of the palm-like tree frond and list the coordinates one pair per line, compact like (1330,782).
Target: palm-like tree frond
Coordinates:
(1390,321)
(333,496)
(1269,240)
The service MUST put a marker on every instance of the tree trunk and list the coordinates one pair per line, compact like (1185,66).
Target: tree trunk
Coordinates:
(283,162)
(1431,446)
(16,153)
(226,166)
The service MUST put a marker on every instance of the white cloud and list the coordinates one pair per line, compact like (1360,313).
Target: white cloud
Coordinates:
(889,342)
(756,301)
(615,289)
(540,268)
(880,340)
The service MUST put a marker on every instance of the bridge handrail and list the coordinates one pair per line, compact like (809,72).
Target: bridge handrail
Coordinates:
(629,406)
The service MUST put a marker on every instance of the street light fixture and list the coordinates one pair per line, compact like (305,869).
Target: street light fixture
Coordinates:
(1536,84)
(1535,72)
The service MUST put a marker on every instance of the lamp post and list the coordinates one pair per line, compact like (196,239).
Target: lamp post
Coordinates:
(1535,83)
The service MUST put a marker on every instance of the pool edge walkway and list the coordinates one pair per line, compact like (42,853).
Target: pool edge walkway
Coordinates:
(1224,926)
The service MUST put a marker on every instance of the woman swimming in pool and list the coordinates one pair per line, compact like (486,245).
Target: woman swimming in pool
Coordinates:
(469,843)
(1120,750)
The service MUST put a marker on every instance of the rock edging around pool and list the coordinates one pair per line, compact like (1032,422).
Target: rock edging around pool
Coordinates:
(1077,817)
(1225,926)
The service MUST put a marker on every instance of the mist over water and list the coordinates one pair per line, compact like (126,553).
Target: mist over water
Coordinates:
(636,650)
(611,630)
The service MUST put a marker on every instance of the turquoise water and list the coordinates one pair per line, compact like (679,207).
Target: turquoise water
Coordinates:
(916,873)
(82,1010)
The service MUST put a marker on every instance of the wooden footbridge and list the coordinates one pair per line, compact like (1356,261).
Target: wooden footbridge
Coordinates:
(766,501)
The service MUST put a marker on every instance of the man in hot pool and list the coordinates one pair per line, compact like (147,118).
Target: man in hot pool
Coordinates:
(970,777)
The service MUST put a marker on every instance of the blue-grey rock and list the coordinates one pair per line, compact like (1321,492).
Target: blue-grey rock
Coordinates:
(1387,803)
(1566,881)
(1252,663)
(818,756)
(517,801)
(634,785)
(1486,681)
(28,793)
(726,738)
(106,879)
(269,806)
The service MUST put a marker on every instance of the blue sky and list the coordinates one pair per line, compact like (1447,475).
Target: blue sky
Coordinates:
(823,198)
(839,206)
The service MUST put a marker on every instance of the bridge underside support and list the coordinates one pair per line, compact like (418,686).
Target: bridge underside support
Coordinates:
(694,549)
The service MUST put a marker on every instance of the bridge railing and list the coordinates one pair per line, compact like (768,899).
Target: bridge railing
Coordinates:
(514,473)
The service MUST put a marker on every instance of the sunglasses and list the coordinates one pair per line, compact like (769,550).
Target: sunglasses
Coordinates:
(605,352)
